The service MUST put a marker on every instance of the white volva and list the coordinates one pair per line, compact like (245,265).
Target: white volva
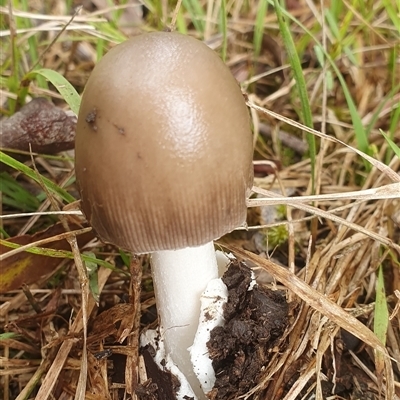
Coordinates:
(180,277)
(211,316)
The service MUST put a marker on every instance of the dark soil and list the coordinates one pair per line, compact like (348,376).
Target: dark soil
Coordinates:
(162,385)
(255,320)
(345,380)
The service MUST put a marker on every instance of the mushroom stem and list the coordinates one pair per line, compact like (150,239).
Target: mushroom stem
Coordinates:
(180,277)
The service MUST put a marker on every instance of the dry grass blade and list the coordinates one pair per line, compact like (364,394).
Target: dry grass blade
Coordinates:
(37,243)
(52,375)
(44,17)
(52,26)
(324,305)
(395,177)
(391,191)
(37,376)
(132,367)
(39,214)
(328,215)
(84,283)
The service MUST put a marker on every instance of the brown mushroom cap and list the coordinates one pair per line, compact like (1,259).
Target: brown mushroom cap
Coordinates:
(163,145)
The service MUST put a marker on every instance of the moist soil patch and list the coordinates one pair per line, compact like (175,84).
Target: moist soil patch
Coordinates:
(256,319)
(161,385)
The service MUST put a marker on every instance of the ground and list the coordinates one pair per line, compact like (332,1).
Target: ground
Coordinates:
(322,83)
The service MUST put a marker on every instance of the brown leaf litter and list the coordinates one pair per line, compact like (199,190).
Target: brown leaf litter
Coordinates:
(18,268)
(328,350)
(39,126)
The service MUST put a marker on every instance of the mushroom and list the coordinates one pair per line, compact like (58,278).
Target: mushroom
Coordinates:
(164,166)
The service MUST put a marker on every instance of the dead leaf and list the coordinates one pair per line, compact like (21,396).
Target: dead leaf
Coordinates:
(27,268)
(47,128)
(105,323)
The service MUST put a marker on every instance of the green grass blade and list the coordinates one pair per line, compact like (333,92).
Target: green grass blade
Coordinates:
(381,320)
(15,195)
(259,27)
(336,8)
(340,35)
(360,133)
(3,233)
(224,30)
(126,257)
(33,42)
(393,13)
(48,252)
(382,103)
(92,272)
(393,145)
(51,186)
(66,90)
(301,84)
(8,335)
(180,23)
(197,14)
(393,67)
(359,130)
(110,33)
(100,49)
(381,323)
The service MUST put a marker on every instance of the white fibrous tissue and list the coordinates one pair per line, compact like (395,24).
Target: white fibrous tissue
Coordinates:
(252,282)
(211,315)
(152,337)
(223,261)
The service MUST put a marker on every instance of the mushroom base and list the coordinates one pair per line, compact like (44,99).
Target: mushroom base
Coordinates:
(180,277)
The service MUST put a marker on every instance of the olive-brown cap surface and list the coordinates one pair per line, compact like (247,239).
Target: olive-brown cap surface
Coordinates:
(163,145)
